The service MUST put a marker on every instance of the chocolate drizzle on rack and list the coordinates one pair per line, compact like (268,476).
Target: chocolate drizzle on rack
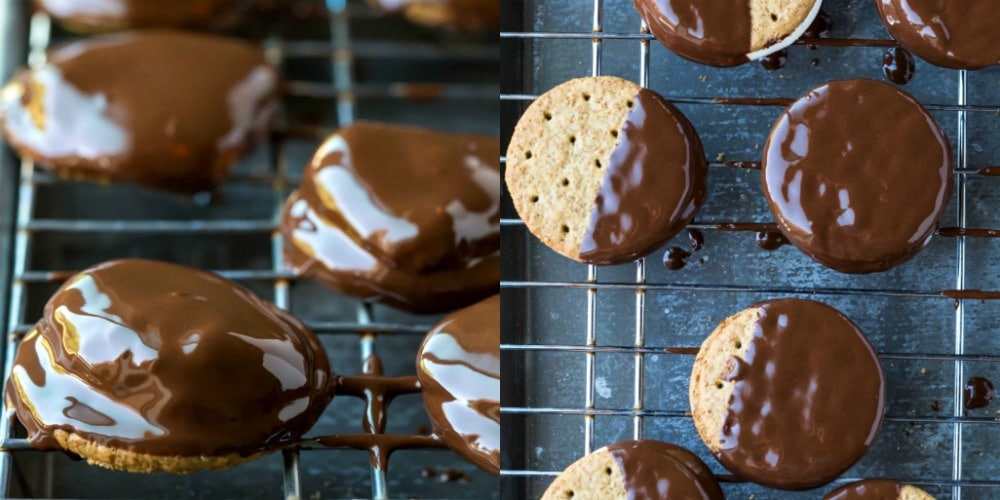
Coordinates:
(377,391)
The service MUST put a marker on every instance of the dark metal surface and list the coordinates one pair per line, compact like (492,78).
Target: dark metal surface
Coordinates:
(584,348)
(340,67)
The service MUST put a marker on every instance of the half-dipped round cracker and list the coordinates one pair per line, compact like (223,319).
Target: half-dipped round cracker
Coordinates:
(603,171)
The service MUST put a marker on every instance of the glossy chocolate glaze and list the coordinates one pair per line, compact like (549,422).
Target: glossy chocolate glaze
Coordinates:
(654,185)
(458,366)
(165,360)
(675,258)
(399,215)
(159,108)
(107,15)
(808,398)
(949,33)
(472,15)
(775,61)
(653,469)
(898,65)
(696,239)
(716,33)
(867,489)
(857,174)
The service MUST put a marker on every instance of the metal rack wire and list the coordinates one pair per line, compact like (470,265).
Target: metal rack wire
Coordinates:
(342,51)
(521,477)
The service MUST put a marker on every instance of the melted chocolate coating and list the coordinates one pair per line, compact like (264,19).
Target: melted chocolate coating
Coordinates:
(399,215)
(717,33)
(867,489)
(90,111)
(472,15)
(654,185)
(950,33)
(459,368)
(108,15)
(653,469)
(857,175)
(808,398)
(165,360)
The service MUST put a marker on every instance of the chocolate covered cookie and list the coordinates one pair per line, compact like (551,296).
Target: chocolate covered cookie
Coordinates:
(603,171)
(787,393)
(954,34)
(458,366)
(146,366)
(636,469)
(857,174)
(878,489)
(162,109)
(727,32)
(399,215)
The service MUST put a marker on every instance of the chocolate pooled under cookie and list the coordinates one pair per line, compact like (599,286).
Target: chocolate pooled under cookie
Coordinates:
(399,215)
(163,109)
(458,366)
(146,366)
(857,174)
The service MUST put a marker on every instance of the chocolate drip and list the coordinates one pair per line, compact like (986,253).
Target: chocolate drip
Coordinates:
(89,112)
(717,33)
(658,147)
(771,240)
(754,101)
(898,65)
(954,232)
(989,171)
(675,258)
(683,350)
(845,42)
(971,294)
(775,60)
(653,469)
(842,153)
(867,489)
(978,393)
(378,392)
(821,27)
(459,368)
(696,239)
(960,35)
(808,398)
(160,359)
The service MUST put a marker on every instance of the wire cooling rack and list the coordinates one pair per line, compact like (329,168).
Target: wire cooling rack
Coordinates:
(598,355)
(235,235)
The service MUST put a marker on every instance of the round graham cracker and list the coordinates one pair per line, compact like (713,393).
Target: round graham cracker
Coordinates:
(557,157)
(775,24)
(595,476)
(709,390)
(130,461)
